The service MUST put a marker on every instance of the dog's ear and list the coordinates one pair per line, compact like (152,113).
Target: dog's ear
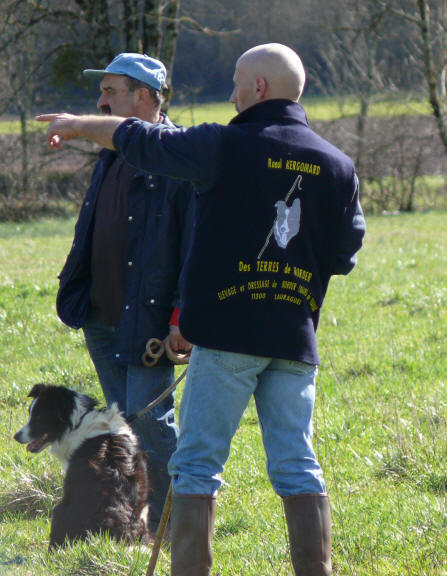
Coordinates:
(63,416)
(92,403)
(64,404)
(36,390)
(88,402)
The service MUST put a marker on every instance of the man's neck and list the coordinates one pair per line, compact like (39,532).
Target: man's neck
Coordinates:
(154,116)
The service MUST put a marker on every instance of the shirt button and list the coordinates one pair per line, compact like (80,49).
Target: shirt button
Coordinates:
(151,185)
(130,218)
(127,307)
(130,263)
(117,355)
(87,203)
(152,301)
(150,176)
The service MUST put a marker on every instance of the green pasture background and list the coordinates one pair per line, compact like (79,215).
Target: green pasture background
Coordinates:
(317,109)
(380,418)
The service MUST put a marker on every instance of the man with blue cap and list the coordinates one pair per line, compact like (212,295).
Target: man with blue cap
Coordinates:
(120,281)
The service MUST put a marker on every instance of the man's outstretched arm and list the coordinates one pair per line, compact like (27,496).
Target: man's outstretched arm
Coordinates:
(99,129)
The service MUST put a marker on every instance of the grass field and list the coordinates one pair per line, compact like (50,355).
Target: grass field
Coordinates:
(317,109)
(380,420)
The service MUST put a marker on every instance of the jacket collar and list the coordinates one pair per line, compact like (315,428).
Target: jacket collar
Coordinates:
(278,111)
(166,121)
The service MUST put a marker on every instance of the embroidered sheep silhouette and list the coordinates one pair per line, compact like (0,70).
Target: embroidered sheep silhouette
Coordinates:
(287,223)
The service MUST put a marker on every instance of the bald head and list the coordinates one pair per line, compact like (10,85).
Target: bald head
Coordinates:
(265,72)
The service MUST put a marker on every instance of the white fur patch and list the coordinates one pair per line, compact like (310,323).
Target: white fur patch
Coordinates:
(88,425)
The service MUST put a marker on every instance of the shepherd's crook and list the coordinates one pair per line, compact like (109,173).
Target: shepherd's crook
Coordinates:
(160,533)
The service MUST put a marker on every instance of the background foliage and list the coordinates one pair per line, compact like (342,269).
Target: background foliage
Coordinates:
(362,52)
(380,419)
(376,87)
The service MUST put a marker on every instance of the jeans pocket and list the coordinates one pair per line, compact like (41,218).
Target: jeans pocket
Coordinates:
(303,367)
(293,367)
(234,362)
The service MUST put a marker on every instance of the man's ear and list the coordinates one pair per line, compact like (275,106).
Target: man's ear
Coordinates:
(261,87)
(143,95)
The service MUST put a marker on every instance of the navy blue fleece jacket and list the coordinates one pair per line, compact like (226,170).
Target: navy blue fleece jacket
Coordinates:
(277,214)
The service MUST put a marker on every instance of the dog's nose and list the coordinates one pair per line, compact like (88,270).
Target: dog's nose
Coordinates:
(18,436)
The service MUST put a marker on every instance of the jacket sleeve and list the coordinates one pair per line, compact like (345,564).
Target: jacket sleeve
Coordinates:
(184,209)
(352,231)
(187,154)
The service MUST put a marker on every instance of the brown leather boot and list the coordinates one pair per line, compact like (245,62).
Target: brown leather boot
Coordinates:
(309,522)
(192,527)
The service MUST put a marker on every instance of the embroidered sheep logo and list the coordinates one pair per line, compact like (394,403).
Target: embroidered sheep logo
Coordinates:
(287,223)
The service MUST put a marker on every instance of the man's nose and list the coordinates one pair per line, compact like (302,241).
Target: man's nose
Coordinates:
(101,101)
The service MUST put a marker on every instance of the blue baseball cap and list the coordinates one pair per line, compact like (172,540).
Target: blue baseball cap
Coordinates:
(138,66)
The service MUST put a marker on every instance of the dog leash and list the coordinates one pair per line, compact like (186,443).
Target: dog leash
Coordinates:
(155,348)
(157,400)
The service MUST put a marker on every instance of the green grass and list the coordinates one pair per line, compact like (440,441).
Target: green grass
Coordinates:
(221,112)
(317,108)
(327,109)
(380,418)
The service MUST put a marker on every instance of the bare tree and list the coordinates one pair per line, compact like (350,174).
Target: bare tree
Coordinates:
(22,61)
(353,57)
(152,33)
(429,17)
(95,13)
(435,64)
(170,41)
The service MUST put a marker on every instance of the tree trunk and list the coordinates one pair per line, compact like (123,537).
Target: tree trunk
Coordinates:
(130,17)
(170,44)
(431,76)
(152,28)
(361,126)
(24,108)
(24,141)
(96,14)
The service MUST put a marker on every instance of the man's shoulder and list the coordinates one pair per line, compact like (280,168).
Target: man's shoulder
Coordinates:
(105,157)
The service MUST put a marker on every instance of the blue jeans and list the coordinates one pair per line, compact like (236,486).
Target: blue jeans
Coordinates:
(133,387)
(218,389)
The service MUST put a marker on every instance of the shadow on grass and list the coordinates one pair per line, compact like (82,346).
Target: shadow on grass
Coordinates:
(10,562)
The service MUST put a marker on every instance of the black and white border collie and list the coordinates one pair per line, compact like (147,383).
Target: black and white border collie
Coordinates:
(106,480)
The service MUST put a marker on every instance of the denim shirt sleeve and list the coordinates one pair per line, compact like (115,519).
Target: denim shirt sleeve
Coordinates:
(187,154)
(352,231)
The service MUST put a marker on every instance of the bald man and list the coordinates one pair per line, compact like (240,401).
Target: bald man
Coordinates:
(277,215)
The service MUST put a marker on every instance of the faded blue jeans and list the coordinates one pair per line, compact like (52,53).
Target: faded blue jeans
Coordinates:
(133,387)
(218,388)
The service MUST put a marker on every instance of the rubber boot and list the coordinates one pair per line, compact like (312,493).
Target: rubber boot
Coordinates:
(192,527)
(309,523)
